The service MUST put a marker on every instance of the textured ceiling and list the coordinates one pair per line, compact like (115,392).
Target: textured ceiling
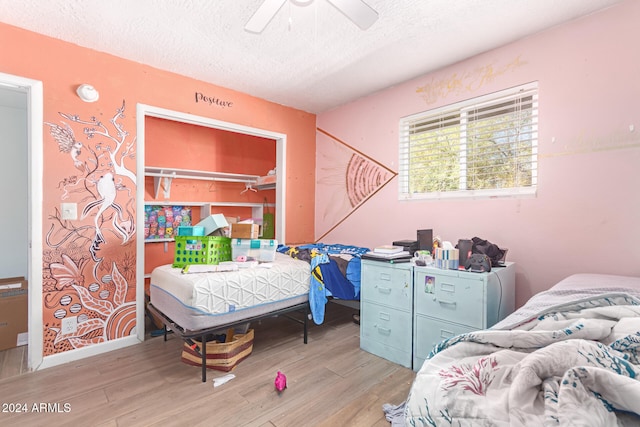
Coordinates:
(312,57)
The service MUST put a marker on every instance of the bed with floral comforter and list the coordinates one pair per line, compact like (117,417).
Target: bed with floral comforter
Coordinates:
(572,358)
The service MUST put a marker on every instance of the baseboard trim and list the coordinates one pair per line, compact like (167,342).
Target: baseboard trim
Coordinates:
(81,353)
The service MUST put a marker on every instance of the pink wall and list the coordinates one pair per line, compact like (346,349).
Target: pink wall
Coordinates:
(585,215)
(92,278)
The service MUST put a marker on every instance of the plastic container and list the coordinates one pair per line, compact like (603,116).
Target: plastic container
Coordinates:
(263,250)
(201,250)
(190,230)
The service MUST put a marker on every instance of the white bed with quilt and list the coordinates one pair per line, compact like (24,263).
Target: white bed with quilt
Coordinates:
(197,301)
(569,356)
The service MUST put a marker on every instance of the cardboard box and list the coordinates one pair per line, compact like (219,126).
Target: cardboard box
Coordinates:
(245,231)
(232,219)
(212,224)
(14,312)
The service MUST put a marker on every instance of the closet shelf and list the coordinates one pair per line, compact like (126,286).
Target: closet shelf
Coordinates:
(208,208)
(199,203)
(167,175)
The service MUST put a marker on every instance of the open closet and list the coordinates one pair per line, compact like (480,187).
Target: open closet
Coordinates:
(199,166)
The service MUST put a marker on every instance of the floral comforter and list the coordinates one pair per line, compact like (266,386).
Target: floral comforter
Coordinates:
(578,364)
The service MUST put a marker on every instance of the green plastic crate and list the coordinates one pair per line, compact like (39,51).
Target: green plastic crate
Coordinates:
(201,250)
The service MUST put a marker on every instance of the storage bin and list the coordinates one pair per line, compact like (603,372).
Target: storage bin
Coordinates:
(201,250)
(190,230)
(220,356)
(213,223)
(263,250)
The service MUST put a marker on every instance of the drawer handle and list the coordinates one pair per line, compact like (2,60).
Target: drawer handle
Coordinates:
(385,331)
(447,302)
(448,287)
(446,334)
(384,290)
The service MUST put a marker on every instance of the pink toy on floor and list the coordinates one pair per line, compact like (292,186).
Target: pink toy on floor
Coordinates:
(280,382)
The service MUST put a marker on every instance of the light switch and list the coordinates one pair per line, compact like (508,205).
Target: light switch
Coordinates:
(69,210)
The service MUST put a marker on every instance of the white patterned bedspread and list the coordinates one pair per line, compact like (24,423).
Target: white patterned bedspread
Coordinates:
(224,292)
(576,364)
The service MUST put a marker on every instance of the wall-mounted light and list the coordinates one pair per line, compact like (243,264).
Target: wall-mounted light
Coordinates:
(87,93)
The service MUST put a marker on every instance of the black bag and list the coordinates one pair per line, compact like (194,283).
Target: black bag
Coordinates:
(495,254)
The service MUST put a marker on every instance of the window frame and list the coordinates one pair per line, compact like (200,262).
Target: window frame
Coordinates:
(461,109)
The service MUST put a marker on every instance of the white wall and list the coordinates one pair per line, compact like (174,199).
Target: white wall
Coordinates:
(13,184)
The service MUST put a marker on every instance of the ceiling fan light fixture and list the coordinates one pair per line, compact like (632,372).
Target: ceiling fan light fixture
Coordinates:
(302,2)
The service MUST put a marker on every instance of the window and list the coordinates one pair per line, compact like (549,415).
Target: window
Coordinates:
(485,146)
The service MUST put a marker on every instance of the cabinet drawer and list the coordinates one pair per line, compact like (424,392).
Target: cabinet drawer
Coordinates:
(428,333)
(451,298)
(388,285)
(386,325)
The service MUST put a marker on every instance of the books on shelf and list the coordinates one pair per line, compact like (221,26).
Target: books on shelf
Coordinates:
(388,249)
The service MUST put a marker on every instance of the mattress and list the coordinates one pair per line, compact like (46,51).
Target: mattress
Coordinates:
(197,301)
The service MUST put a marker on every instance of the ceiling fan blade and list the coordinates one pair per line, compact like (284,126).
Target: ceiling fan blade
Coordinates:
(265,13)
(358,11)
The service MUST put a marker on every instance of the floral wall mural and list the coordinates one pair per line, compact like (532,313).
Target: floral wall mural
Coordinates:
(89,261)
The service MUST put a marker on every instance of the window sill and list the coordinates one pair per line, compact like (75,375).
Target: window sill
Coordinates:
(472,194)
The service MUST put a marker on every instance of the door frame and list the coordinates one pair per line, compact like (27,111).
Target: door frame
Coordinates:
(35,107)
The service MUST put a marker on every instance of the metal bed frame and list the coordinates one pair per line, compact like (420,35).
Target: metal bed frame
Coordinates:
(187,335)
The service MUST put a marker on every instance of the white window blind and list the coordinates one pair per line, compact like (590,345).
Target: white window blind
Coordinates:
(485,146)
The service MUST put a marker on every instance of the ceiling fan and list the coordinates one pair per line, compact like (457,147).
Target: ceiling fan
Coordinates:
(357,11)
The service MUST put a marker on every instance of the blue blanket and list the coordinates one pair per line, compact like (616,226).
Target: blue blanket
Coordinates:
(335,272)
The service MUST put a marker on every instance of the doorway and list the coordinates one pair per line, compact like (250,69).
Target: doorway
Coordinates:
(21,102)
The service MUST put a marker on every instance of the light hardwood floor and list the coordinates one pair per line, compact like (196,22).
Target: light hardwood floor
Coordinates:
(13,362)
(330,382)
